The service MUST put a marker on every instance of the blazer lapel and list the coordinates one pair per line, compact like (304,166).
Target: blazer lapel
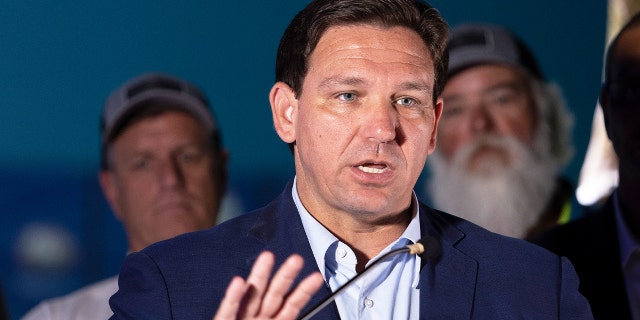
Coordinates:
(281,231)
(447,282)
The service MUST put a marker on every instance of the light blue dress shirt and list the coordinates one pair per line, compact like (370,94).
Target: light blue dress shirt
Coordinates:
(388,291)
(630,256)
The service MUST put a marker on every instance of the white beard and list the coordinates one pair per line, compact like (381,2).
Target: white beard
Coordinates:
(504,198)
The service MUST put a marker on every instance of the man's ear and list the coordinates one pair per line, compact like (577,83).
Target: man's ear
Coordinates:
(437,112)
(284,106)
(107,183)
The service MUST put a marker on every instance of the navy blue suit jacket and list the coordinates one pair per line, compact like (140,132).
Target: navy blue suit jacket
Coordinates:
(591,244)
(478,275)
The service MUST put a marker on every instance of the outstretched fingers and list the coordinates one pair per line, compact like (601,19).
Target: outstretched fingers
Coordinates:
(300,296)
(257,282)
(264,297)
(280,285)
(232,301)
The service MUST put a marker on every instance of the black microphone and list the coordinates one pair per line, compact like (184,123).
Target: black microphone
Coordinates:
(426,248)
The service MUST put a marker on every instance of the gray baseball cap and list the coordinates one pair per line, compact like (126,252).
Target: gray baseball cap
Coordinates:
(159,87)
(471,44)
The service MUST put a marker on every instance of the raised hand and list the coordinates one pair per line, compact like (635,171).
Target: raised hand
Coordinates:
(262,298)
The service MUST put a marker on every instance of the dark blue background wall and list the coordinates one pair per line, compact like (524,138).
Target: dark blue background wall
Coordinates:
(60,59)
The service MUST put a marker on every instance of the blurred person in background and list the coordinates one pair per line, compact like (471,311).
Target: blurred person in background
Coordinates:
(163,172)
(604,245)
(503,138)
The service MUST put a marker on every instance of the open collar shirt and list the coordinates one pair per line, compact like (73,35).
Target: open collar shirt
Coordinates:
(388,291)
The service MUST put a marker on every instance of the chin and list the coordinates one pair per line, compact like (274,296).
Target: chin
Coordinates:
(378,205)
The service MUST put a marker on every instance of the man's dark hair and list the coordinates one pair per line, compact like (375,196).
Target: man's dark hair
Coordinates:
(307,27)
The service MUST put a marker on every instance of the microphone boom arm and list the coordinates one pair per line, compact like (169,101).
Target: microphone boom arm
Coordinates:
(418,248)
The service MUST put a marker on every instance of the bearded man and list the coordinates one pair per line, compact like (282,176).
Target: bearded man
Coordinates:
(503,138)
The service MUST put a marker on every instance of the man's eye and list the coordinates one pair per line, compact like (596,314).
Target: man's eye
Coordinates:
(347,96)
(502,99)
(188,157)
(407,102)
(452,110)
(141,164)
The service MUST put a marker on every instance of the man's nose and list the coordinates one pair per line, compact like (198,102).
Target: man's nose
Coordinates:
(381,122)
(170,173)
(482,119)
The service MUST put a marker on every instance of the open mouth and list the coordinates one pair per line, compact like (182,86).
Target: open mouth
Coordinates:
(373,168)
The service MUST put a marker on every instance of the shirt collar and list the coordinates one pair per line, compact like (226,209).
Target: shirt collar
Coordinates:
(320,238)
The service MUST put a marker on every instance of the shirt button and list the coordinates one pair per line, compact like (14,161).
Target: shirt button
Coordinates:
(341,252)
(368,303)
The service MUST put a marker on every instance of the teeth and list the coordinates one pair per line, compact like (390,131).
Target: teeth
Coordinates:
(371,170)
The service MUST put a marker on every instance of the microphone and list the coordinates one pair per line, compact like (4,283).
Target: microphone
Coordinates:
(427,248)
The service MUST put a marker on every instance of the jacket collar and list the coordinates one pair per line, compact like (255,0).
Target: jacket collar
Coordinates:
(447,282)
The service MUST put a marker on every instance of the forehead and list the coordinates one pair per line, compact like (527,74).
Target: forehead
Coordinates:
(626,59)
(176,124)
(488,72)
(377,42)
(169,114)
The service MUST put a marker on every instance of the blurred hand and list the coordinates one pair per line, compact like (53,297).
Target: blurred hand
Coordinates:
(261,298)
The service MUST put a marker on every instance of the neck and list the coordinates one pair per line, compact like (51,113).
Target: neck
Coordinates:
(366,238)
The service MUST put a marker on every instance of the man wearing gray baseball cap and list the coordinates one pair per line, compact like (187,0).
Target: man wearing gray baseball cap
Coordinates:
(163,172)
(504,136)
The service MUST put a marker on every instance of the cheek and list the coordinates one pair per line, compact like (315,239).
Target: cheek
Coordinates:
(202,180)
(133,204)
(199,177)
(522,128)
(126,185)
(449,138)
(137,189)
(136,193)
(520,123)
(320,131)
(419,137)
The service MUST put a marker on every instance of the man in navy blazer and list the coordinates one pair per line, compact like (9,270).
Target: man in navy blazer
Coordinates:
(478,275)
(357,99)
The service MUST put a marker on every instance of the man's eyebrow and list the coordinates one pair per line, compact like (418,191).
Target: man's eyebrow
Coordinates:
(514,85)
(452,97)
(418,86)
(354,81)
(339,80)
